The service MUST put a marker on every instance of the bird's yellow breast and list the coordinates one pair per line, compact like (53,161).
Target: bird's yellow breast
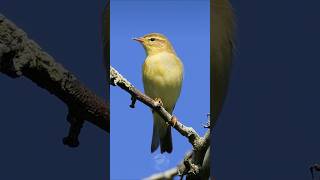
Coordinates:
(162,78)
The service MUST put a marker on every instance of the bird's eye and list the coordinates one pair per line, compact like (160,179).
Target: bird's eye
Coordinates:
(152,39)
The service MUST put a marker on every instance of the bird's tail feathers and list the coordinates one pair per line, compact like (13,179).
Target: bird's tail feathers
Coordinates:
(162,134)
(155,138)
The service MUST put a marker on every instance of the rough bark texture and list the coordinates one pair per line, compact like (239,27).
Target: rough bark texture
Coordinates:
(20,56)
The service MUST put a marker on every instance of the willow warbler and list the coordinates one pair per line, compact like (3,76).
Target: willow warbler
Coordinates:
(162,79)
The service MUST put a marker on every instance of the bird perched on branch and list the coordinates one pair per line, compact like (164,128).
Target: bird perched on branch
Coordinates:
(162,79)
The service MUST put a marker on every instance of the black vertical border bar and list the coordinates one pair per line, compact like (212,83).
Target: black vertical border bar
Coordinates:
(106,59)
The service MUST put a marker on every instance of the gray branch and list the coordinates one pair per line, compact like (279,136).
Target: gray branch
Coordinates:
(192,163)
(20,56)
(168,174)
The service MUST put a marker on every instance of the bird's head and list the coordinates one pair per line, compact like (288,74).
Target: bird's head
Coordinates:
(154,43)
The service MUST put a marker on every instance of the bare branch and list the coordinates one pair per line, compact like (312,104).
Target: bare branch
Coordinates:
(20,56)
(166,175)
(191,165)
(117,79)
(187,168)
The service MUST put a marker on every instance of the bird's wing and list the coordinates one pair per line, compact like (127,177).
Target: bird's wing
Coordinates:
(222,44)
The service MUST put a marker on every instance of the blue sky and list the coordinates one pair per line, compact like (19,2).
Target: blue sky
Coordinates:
(186,24)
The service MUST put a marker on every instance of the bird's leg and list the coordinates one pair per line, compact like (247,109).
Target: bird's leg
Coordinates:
(158,102)
(173,118)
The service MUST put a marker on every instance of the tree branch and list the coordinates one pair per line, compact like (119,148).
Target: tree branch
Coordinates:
(192,162)
(117,79)
(189,166)
(20,56)
(168,174)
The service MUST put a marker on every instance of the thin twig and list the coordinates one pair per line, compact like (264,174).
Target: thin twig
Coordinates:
(166,175)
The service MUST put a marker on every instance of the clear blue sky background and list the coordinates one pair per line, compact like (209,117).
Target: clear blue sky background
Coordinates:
(270,125)
(186,24)
(33,122)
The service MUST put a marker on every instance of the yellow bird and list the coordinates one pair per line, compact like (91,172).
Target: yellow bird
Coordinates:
(162,79)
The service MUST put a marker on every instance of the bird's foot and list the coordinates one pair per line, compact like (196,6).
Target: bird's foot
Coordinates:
(158,101)
(173,120)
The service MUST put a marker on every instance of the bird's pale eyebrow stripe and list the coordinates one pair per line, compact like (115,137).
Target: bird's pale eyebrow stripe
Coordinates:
(159,39)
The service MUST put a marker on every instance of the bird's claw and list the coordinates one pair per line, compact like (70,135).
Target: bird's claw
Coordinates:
(158,101)
(174,121)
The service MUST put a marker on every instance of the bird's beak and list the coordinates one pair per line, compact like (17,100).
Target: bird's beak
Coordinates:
(138,39)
